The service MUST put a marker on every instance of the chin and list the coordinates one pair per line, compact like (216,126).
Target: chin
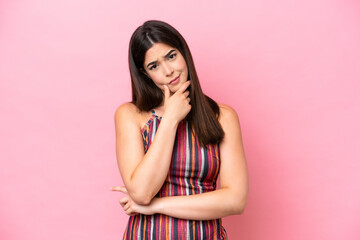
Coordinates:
(174,89)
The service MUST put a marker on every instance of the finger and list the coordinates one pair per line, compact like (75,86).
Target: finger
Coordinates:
(183,87)
(186,93)
(166,93)
(188,99)
(126,206)
(129,212)
(123,201)
(119,189)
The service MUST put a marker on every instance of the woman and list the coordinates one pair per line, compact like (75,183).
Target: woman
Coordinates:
(170,177)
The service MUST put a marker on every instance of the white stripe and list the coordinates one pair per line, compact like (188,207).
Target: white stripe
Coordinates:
(152,227)
(170,230)
(201,170)
(187,162)
(139,229)
(187,167)
(154,129)
(188,230)
(170,183)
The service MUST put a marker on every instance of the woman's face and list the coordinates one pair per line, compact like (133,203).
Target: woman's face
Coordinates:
(166,66)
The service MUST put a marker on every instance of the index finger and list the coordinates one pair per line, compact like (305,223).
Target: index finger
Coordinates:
(183,87)
(119,189)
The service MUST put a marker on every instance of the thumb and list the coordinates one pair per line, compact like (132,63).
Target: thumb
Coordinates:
(166,92)
(119,189)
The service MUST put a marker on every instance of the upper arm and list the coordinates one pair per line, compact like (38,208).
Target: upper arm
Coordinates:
(129,142)
(233,171)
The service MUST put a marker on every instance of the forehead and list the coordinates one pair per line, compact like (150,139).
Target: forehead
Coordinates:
(157,51)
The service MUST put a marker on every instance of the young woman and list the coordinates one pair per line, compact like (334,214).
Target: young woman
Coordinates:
(172,142)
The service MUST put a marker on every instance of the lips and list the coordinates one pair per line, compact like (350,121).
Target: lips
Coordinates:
(175,79)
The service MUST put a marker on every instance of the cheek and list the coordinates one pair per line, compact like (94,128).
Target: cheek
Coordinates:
(156,80)
(183,66)
(185,70)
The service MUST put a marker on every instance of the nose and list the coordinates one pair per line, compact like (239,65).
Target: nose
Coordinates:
(168,69)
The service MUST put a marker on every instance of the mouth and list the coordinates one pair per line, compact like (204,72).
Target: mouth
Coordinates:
(174,80)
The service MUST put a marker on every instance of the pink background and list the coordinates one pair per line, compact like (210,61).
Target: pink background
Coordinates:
(291,70)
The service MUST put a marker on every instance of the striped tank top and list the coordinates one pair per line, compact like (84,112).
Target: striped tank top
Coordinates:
(193,170)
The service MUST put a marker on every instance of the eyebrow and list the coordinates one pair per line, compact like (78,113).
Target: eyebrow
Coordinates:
(167,55)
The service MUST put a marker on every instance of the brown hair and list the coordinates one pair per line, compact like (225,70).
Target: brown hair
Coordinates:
(146,95)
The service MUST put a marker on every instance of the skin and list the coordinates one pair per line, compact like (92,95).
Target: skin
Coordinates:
(164,63)
(144,174)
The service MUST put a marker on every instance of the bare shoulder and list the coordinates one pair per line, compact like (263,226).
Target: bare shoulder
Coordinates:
(128,115)
(126,109)
(228,115)
(127,112)
(230,123)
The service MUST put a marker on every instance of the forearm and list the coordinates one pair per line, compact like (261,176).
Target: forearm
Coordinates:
(150,174)
(211,205)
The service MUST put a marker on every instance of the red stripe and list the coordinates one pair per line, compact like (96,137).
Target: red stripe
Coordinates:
(161,222)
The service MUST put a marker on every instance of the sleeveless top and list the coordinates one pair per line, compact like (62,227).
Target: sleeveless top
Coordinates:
(193,170)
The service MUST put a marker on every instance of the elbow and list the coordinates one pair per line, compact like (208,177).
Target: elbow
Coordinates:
(239,205)
(140,194)
(141,198)
(143,201)
(241,208)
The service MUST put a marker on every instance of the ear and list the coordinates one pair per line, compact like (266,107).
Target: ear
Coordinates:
(144,72)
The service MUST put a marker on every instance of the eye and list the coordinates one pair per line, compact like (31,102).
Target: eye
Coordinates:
(154,66)
(172,56)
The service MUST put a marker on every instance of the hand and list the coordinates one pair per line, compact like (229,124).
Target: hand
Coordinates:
(130,207)
(178,105)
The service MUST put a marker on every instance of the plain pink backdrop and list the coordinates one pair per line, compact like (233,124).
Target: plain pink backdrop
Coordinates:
(290,69)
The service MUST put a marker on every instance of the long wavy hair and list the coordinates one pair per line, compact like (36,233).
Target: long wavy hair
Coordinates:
(204,112)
